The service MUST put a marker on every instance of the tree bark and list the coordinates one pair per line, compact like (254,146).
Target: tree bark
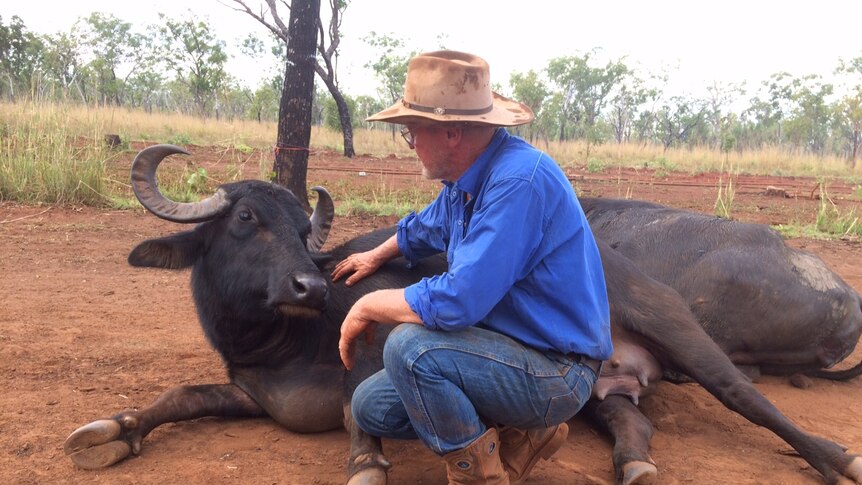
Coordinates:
(327,72)
(294,112)
(857,139)
(343,116)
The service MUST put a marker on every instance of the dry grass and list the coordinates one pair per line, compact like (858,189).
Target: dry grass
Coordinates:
(55,153)
(768,161)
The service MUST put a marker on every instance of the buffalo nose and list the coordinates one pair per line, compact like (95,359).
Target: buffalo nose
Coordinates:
(308,289)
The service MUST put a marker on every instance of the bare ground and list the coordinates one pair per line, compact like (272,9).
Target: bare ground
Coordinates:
(83,335)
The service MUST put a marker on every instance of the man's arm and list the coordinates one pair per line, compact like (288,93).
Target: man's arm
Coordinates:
(364,264)
(383,306)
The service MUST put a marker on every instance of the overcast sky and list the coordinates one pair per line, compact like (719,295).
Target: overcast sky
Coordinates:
(696,42)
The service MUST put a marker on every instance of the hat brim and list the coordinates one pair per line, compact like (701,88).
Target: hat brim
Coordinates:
(505,112)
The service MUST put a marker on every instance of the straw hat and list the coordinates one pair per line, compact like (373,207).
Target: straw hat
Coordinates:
(452,86)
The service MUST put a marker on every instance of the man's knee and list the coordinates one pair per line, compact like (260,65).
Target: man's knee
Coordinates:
(402,343)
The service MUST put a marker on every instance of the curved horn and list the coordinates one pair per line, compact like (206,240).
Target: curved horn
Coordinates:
(147,189)
(321,220)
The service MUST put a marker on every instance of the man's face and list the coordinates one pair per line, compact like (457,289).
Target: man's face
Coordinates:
(430,143)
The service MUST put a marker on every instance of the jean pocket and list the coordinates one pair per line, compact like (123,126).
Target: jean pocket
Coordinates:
(562,408)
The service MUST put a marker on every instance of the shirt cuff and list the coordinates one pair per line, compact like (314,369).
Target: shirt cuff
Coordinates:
(418,299)
(403,240)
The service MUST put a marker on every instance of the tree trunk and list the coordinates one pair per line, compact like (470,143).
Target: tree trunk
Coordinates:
(294,111)
(857,138)
(343,117)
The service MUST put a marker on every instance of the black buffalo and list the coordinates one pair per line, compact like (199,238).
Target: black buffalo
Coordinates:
(274,317)
(770,307)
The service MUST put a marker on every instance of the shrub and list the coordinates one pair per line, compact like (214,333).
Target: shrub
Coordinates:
(179,139)
(594,165)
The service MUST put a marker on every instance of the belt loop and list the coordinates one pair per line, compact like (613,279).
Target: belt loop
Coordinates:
(594,364)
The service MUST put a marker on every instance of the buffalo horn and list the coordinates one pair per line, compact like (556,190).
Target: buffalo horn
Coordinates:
(321,220)
(147,189)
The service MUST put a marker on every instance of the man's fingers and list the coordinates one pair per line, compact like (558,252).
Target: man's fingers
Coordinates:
(341,269)
(358,274)
(346,352)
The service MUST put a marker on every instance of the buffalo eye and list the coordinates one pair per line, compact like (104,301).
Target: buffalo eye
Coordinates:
(245,215)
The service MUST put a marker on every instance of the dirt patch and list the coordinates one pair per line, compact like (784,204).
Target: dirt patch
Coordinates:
(83,335)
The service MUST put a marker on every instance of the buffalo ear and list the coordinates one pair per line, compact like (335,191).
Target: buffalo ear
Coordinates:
(177,251)
(320,260)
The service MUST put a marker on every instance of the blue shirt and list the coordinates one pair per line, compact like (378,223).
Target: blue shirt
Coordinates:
(522,259)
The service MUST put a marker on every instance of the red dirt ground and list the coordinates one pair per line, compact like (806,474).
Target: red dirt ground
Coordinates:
(83,335)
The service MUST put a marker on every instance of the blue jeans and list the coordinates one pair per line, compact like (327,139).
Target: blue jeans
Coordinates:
(435,385)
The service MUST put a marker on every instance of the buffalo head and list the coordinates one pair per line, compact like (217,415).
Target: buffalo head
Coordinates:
(255,252)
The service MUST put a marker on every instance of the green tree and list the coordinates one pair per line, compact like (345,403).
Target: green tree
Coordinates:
(849,117)
(677,119)
(772,108)
(144,89)
(389,65)
(63,65)
(331,113)
(585,90)
(111,43)
(718,117)
(366,106)
(197,57)
(21,57)
(531,90)
(265,99)
(849,108)
(811,116)
(625,105)
(264,103)
(390,69)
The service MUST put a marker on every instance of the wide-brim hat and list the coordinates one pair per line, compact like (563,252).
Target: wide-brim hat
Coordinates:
(450,86)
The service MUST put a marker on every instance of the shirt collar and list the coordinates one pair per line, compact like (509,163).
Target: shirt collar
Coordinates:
(471,180)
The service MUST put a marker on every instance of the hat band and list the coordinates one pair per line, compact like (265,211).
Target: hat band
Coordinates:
(445,111)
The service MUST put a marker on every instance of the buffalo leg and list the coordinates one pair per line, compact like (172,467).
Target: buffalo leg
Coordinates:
(310,398)
(107,441)
(631,432)
(367,465)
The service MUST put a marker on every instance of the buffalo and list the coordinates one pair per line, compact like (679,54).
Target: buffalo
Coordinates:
(771,308)
(266,304)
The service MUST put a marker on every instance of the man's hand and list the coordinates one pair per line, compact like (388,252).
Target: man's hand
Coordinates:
(364,264)
(382,306)
(359,264)
(354,325)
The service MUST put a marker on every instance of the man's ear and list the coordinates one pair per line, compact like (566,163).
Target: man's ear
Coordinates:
(177,251)
(454,134)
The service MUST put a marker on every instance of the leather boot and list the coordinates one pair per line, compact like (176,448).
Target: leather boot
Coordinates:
(477,463)
(520,449)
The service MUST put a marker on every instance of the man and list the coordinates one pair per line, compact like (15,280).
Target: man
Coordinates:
(506,345)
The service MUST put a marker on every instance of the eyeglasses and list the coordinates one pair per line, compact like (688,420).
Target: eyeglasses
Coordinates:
(408,136)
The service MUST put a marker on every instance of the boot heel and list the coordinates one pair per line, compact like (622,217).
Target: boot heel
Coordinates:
(555,442)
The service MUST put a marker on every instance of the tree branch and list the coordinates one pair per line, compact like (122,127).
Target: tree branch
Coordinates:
(273,10)
(280,31)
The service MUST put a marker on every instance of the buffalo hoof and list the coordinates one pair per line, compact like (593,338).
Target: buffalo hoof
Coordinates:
(854,470)
(801,381)
(639,473)
(368,476)
(95,445)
